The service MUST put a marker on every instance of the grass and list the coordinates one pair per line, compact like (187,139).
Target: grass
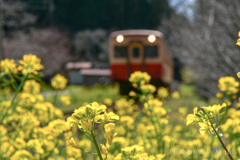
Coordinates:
(80,95)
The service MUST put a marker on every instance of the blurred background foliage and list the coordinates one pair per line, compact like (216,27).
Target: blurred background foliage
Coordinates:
(78,15)
(201,34)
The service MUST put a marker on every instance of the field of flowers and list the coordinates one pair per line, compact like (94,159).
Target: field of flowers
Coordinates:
(146,126)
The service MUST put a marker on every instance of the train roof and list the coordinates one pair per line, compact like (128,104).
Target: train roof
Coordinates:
(136,32)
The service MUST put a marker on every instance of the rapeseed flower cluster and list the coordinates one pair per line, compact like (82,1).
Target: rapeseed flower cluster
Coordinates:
(66,100)
(59,82)
(139,78)
(89,115)
(135,152)
(85,117)
(124,106)
(232,125)
(8,65)
(238,41)
(175,95)
(238,75)
(108,102)
(31,86)
(35,129)
(228,84)
(163,92)
(230,87)
(154,108)
(31,64)
(30,127)
(204,115)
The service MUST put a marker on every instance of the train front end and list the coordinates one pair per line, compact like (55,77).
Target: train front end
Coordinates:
(139,50)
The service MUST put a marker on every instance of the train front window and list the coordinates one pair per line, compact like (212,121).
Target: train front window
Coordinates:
(135,52)
(121,52)
(151,51)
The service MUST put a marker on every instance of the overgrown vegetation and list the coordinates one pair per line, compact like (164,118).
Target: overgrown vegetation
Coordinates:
(144,127)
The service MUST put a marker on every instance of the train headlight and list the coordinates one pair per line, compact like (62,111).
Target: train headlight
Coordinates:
(151,38)
(120,38)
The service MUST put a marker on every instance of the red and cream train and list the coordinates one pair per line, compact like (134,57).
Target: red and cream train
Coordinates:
(140,50)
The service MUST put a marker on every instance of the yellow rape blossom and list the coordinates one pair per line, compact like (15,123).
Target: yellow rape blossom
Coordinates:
(26,100)
(19,143)
(205,127)
(139,78)
(106,117)
(31,86)
(228,84)
(8,65)
(108,102)
(126,121)
(132,93)
(59,82)
(219,95)
(109,127)
(66,100)
(238,74)
(36,145)
(86,116)
(30,63)
(162,92)
(160,156)
(209,113)
(191,117)
(124,106)
(123,142)
(58,126)
(104,149)
(238,105)
(175,95)
(238,42)
(85,144)
(74,153)
(148,88)
(215,109)
(154,108)
(22,154)
(74,143)
(109,135)
(133,152)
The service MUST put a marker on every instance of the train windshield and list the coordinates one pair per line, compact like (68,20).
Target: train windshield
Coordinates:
(121,52)
(151,51)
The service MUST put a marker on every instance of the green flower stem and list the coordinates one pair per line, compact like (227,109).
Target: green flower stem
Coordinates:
(16,76)
(55,97)
(51,152)
(219,138)
(106,156)
(13,82)
(100,127)
(157,134)
(96,145)
(18,91)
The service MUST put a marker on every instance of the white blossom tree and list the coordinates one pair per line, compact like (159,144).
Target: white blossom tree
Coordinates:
(207,44)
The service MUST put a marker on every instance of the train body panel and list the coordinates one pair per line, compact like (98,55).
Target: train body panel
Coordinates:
(119,71)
